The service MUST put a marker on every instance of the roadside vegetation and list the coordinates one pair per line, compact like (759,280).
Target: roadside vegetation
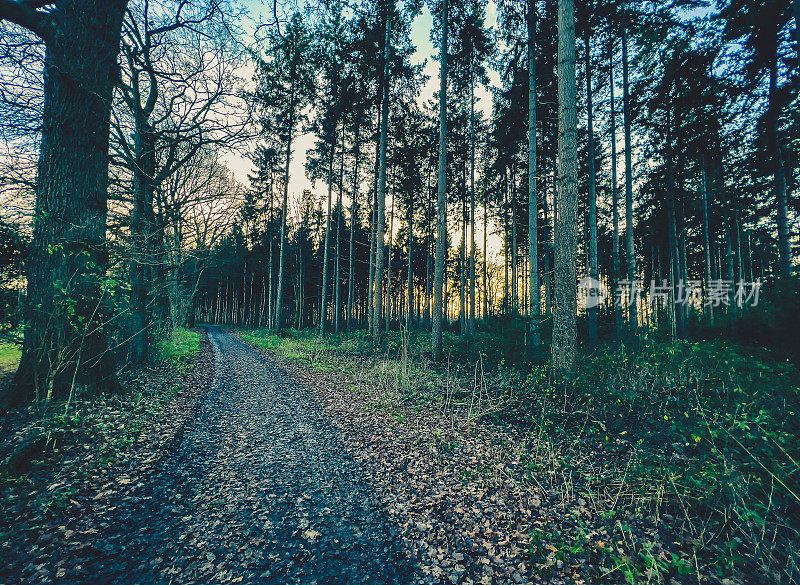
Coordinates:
(673,460)
(50,451)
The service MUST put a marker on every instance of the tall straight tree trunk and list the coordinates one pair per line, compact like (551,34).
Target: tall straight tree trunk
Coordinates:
(271,299)
(441,216)
(388,300)
(564,319)
(485,260)
(471,321)
(706,240)
(593,267)
(535,309)
(462,289)
(353,214)
(377,322)
(674,257)
(323,311)
(284,213)
(614,194)
(65,346)
(629,244)
(778,176)
(514,247)
(337,271)
(373,225)
(410,284)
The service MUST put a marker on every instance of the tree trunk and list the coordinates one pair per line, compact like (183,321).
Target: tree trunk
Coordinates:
(614,195)
(410,284)
(65,346)
(441,216)
(323,311)
(142,238)
(353,214)
(514,247)
(779,176)
(564,320)
(629,244)
(373,226)
(284,214)
(337,270)
(377,321)
(533,200)
(471,321)
(593,267)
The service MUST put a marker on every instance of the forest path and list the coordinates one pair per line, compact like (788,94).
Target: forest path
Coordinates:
(260,490)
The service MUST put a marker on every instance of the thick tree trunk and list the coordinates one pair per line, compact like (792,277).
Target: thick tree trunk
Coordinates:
(674,258)
(485,260)
(142,239)
(534,307)
(564,320)
(629,244)
(377,320)
(65,346)
(441,216)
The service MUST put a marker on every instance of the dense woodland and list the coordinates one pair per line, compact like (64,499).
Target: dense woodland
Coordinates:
(668,159)
(643,151)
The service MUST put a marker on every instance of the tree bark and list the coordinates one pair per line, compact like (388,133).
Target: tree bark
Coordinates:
(535,309)
(593,265)
(284,214)
(65,346)
(441,216)
(564,319)
(353,214)
(614,195)
(779,176)
(323,310)
(629,243)
(377,320)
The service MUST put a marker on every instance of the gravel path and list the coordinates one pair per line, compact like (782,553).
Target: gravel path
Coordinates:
(260,490)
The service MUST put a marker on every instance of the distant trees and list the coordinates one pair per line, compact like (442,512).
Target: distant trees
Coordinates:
(285,85)
(148,229)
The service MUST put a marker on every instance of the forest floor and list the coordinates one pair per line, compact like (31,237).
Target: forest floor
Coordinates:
(253,458)
(676,465)
(242,480)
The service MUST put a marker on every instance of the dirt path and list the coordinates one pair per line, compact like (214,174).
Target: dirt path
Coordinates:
(260,490)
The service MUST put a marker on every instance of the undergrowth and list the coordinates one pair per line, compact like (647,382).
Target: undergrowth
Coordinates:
(91,432)
(702,438)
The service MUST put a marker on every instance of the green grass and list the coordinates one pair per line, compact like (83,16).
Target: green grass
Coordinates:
(9,355)
(180,348)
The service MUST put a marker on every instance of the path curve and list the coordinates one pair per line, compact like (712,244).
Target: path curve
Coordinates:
(260,490)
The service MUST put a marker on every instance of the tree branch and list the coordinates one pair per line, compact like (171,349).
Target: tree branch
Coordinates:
(24,14)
